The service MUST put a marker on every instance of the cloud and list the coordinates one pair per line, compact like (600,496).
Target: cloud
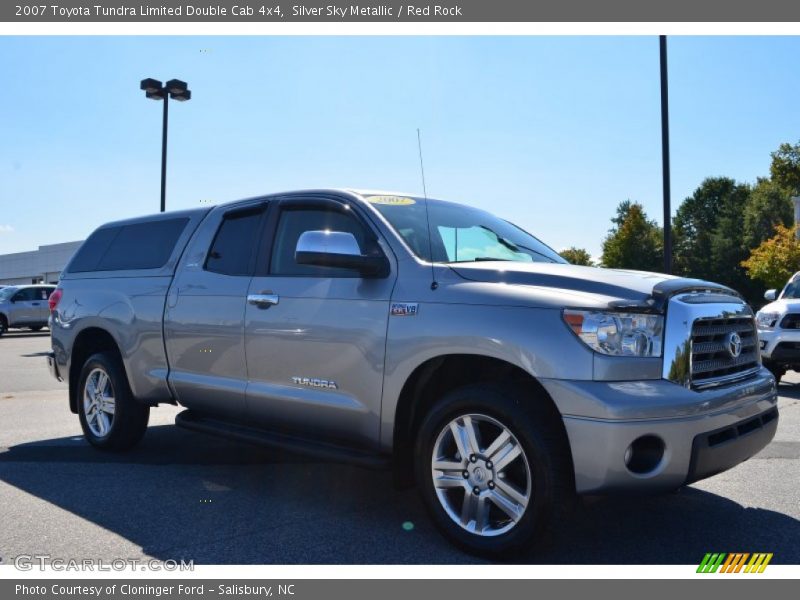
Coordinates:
(6,229)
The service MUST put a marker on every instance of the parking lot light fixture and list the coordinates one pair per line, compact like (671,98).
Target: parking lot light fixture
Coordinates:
(177,90)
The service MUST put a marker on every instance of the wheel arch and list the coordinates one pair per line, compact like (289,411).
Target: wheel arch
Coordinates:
(436,377)
(89,341)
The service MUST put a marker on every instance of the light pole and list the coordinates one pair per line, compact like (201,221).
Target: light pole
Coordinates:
(177,90)
(662,43)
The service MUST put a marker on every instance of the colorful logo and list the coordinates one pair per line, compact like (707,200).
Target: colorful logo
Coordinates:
(735,562)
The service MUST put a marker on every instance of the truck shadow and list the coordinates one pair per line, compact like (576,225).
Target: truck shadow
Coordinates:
(789,390)
(11,334)
(182,495)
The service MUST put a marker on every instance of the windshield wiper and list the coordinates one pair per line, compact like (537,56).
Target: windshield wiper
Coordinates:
(507,243)
(479,259)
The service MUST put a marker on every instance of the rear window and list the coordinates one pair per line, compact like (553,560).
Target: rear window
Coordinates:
(145,245)
(232,250)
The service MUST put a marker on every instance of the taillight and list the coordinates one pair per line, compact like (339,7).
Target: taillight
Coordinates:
(55,298)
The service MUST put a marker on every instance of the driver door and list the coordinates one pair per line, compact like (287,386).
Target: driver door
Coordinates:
(315,351)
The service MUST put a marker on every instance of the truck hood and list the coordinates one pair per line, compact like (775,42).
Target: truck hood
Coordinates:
(636,289)
(789,305)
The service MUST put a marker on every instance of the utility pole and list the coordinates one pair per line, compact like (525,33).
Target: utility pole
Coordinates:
(665,155)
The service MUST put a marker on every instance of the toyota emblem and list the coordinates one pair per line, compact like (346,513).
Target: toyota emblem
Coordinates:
(734,344)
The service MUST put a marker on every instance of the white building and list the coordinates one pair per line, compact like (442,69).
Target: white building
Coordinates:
(37,266)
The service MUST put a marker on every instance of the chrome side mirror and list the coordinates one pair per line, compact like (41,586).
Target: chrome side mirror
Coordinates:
(770,295)
(339,250)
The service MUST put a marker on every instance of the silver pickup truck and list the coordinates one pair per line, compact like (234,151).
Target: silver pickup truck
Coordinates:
(424,336)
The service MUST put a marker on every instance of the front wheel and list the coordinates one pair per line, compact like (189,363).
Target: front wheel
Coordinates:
(37,328)
(111,418)
(3,325)
(778,371)
(494,468)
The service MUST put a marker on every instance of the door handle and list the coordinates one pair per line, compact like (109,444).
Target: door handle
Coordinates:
(263,300)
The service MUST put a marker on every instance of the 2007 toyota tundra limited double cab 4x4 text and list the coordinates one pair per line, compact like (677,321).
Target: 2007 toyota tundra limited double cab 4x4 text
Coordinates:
(425,336)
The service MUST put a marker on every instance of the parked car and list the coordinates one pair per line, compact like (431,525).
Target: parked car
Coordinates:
(779,329)
(24,307)
(427,337)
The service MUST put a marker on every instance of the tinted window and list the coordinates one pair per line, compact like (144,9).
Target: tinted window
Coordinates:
(145,245)
(25,295)
(42,293)
(232,250)
(93,249)
(294,223)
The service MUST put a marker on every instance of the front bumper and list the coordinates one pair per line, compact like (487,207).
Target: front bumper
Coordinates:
(702,432)
(780,345)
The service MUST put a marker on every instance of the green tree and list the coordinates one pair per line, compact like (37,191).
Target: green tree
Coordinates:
(776,259)
(769,205)
(785,167)
(708,232)
(577,256)
(728,249)
(635,242)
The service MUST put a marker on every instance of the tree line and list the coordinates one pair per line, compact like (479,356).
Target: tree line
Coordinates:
(739,234)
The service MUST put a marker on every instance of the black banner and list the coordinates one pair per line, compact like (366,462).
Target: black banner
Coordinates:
(454,11)
(396,589)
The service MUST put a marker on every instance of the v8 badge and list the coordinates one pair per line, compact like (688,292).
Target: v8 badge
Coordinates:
(404,309)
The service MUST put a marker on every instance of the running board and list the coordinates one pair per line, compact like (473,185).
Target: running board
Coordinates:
(189,419)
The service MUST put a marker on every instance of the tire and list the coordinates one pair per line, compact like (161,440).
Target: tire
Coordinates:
(537,485)
(117,431)
(37,328)
(3,325)
(778,371)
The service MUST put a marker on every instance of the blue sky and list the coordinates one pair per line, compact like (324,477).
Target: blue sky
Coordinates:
(549,132)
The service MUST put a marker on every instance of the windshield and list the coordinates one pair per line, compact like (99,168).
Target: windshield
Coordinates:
(6,293)
(459,233)
(791,292)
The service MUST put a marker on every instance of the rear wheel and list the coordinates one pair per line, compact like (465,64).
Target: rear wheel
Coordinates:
(3,325)
(111,418)
(493,467)
(37,328)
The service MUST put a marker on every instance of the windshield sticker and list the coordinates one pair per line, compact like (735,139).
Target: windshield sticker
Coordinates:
(391,200)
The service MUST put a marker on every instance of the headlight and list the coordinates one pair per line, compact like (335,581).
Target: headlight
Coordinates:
(618,333)
(766,320)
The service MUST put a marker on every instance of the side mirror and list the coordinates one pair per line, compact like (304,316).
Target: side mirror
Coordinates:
(770,295)
(339,250)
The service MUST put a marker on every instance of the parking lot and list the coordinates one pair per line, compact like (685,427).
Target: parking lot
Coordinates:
(182,495)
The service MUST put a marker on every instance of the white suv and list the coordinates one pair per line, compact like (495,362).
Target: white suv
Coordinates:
(779,329)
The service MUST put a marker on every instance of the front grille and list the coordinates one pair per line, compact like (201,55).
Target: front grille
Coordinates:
(741,429)
(712,359)
(791,321)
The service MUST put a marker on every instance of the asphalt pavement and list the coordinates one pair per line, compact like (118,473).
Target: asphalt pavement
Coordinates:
(184,495)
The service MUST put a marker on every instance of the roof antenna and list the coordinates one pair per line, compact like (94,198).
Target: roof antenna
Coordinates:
(434,283)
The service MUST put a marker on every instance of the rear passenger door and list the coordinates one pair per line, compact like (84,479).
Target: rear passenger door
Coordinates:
(40,306)
(204,318)
(315,355)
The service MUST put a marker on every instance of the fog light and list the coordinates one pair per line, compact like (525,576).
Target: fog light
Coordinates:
(644,455)
(762,344)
